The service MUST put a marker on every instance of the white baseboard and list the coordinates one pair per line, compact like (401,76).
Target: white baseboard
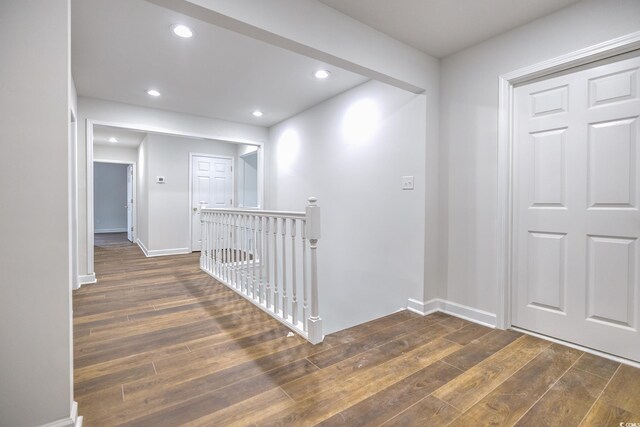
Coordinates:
(161,252)
(86,279)
(73,420)
(465,312)
(110,230)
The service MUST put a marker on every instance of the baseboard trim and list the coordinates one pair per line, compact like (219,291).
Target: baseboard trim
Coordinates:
(110,230)
(454,309)
(142,247)
(73,420)
(87,279)
(161,252)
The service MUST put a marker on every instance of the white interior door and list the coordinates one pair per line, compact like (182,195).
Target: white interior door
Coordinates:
(576,198)
(210,188)
(130,203)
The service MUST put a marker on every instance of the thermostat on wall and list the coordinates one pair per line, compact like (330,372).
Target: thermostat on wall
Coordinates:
(160,179)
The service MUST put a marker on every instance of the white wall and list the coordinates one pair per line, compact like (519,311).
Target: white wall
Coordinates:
(35,291)
(469,128)
(168,210)
(142,118)
(115,153)
(142,194)
(110,197)
(247,181)
(371,254)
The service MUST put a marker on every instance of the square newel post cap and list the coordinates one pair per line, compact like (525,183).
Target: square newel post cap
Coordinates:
(313,219)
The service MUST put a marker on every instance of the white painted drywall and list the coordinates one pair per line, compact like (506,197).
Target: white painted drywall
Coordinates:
(109,197)
(168,204)
(469,128)
(371,254)
(142,194)
(146,118)
(35,268)
(248,180)
(115,153)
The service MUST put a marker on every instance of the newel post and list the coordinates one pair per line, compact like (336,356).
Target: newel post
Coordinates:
(203,248)
(313,234)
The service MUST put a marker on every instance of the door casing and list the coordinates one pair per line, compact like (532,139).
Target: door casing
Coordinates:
(507,82)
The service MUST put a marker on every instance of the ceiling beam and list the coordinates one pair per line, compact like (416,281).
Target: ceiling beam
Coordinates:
(315,30)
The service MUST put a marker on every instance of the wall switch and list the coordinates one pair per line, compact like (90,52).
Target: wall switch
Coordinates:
(407,182)
(160,179)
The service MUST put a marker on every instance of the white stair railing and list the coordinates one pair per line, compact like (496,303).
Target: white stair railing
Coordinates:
(262,255)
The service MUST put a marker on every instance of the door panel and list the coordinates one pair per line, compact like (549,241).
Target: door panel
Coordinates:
(576,218)
(211,188)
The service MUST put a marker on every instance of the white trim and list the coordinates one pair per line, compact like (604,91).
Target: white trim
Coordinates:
(579,347)
(507,82)
(454,309)
(110,230)
(73,420)
(143,248)
(149,253)
(233,186)
(423,308)
(87,279)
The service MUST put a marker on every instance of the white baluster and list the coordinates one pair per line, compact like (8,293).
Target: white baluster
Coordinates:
(285,301)
(267,291)
(254,245)
(305,303)
(202,254)
(294,294)
(259,254)
(276,295)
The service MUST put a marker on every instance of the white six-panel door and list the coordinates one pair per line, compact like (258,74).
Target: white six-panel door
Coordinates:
(210,188)
(576,201)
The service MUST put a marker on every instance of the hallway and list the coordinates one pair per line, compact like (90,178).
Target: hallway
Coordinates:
(159,343)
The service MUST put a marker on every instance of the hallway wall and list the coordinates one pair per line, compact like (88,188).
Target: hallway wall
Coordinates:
(352,152)
(35,207)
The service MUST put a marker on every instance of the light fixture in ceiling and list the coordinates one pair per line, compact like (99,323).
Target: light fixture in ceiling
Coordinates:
(153,92)
(182,31)
(113,140)
(322,74)
(257,113)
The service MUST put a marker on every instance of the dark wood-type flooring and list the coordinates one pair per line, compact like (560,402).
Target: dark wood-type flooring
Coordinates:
(159,343)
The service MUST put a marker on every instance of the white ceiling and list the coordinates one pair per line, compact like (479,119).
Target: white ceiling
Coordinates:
(126,138)
(121,48)
(442,27)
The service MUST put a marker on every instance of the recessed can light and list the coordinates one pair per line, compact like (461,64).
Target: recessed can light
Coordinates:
(113,140)
(182,31)
(322,74)
(153,92)
(257,113)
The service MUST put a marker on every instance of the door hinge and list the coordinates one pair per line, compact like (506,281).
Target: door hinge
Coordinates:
(131,228)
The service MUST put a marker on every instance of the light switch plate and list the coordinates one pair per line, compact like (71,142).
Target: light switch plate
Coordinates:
(407,182)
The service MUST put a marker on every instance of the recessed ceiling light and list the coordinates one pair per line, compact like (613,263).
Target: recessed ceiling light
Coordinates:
(322,74)
(153,92)
(113,140)
(182,31)
(257,113)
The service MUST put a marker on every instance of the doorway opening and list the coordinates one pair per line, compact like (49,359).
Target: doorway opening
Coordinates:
(114,198)
(248,180)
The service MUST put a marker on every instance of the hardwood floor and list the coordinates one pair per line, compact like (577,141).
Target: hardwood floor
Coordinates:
(159,343)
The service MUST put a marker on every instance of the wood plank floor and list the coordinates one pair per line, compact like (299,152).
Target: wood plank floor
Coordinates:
(159,343)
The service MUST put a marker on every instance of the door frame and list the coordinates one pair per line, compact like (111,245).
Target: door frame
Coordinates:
(241,181)
(134,219)
(88,160)
(233,186)
(507,83)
